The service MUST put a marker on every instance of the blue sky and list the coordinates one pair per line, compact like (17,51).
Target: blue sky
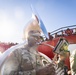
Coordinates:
(14,14)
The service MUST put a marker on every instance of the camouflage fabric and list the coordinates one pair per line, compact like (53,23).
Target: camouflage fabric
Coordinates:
(48,70)
(73,62)
(22,61)
(27,61)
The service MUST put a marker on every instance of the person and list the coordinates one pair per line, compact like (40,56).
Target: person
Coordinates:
(26,59)
(61,53)
(59,60)
(73,62)
(69,31)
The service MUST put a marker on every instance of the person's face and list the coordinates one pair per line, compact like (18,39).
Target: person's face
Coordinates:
(33,40)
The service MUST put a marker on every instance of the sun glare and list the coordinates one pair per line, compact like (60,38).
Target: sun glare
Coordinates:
(5,30)
(6,26)
(10,25)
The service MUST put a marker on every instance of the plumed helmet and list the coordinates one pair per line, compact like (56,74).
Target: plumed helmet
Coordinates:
(32,28)
(36,24)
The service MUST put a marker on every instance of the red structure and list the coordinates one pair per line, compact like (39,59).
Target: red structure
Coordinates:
(69,33)
(5,46)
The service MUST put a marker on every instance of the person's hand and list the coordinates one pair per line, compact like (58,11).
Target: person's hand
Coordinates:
(69,72)
(48,70)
